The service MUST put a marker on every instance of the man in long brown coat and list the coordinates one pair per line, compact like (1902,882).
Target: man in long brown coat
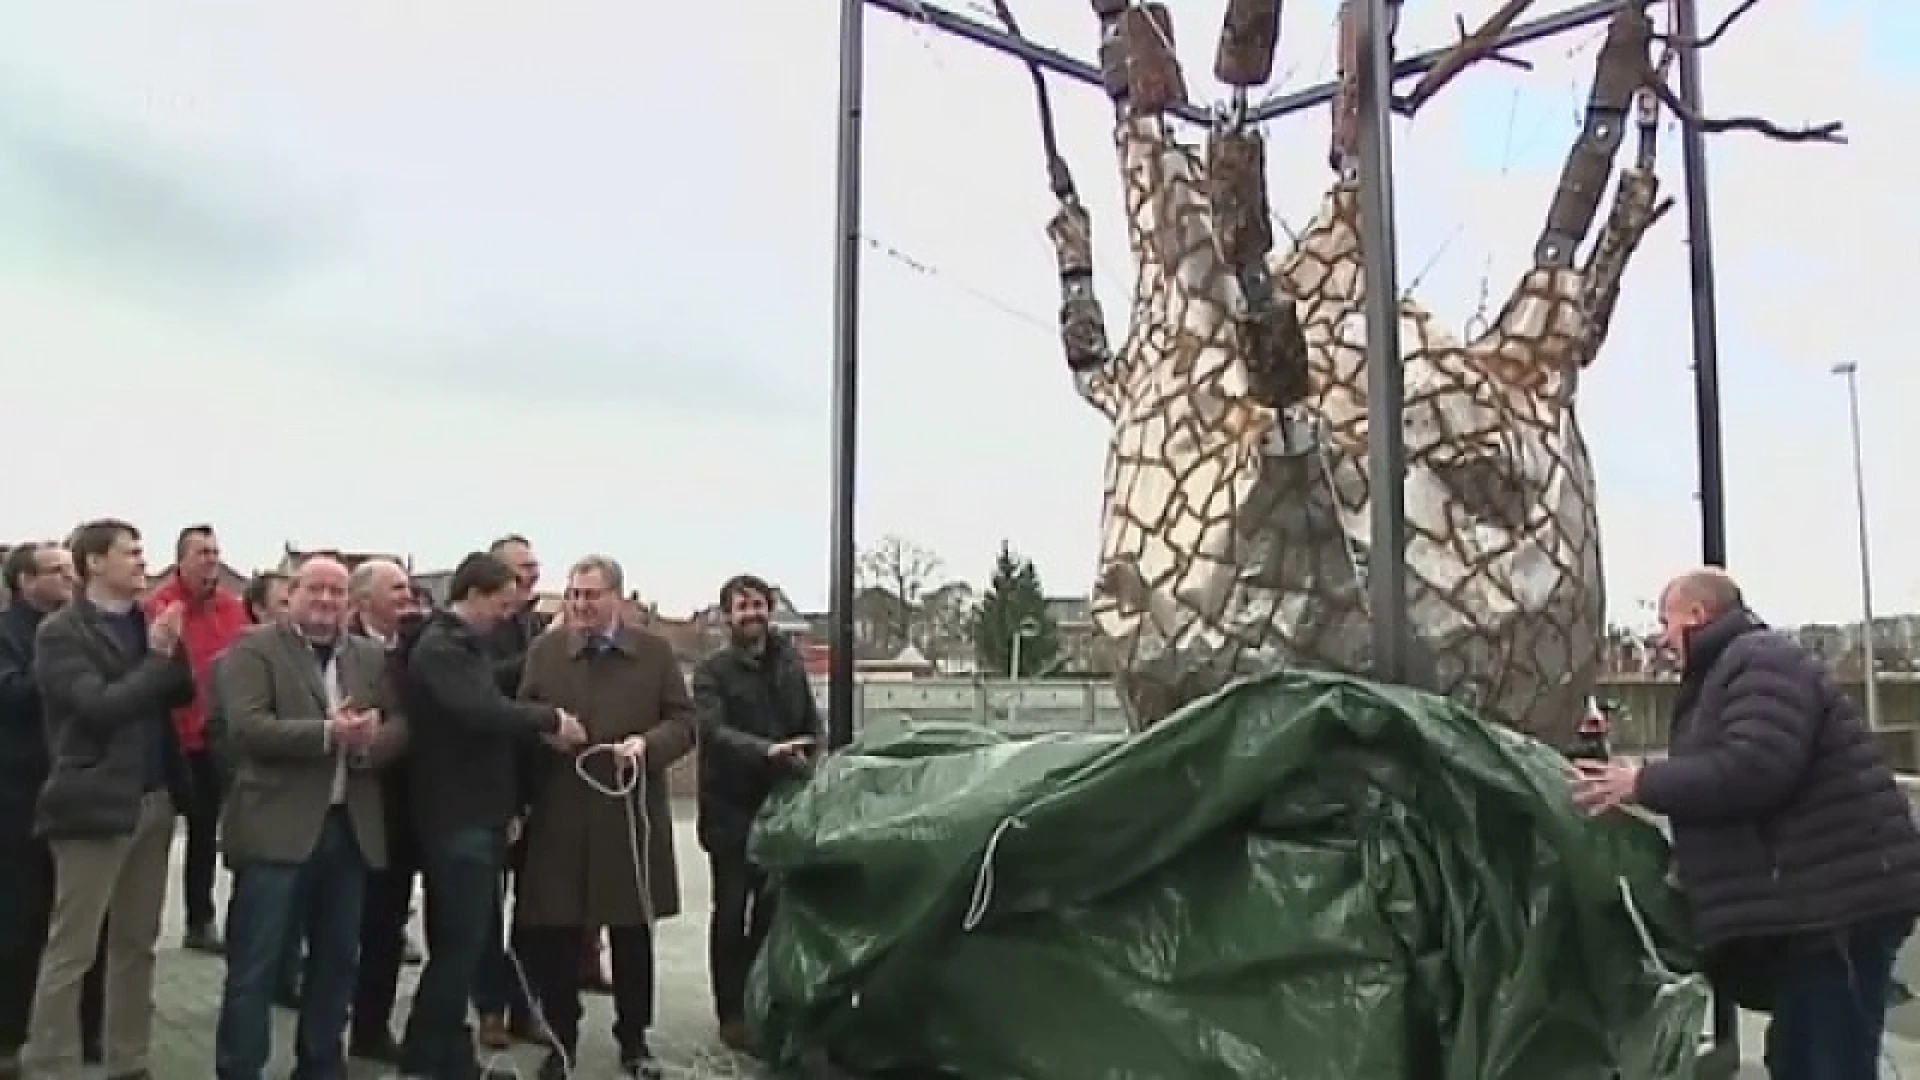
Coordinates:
(600,847)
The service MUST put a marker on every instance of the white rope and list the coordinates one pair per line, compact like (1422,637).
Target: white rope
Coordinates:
(1671,981)
(703,1062)
(1646,936)
(982,897)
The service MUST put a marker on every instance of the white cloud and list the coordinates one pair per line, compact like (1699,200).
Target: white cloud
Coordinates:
(634,216)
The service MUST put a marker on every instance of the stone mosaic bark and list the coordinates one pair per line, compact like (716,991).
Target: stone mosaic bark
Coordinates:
(1235,525)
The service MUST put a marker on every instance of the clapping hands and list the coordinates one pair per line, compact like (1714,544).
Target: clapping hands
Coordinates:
(353,727)
(163,630)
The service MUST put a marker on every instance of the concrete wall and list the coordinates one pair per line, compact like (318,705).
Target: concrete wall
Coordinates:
(1029,707)
(1035,706)
(1646,706)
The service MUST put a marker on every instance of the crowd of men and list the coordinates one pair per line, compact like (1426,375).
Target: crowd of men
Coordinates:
(337,740)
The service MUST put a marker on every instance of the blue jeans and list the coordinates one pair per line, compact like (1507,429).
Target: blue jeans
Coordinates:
(266,897)
(292,949)
(1830,1005)
(463,876)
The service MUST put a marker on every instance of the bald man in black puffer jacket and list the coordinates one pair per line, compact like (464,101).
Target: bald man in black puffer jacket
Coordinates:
(1795,846)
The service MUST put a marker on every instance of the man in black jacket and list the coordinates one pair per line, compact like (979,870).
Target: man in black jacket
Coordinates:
(39,578)
(108,678)
(1794,845)
(499,1000)
(466,742)
(758,722)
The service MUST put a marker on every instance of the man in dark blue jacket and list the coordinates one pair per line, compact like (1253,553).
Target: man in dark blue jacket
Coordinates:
(1794,844)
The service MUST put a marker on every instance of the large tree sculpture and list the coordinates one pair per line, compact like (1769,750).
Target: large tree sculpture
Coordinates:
(1235,525)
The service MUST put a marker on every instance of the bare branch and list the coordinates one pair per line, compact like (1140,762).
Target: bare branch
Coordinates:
(1655,82)
(1720,31)
(1481,44)
(1830,132)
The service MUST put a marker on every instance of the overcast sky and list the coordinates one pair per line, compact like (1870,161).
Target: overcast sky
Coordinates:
(405,276)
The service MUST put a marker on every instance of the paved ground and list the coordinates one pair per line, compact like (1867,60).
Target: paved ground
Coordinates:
(188,993)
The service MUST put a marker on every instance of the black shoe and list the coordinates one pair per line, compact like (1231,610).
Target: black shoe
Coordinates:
(552,1067)
(287,995)
(203,938)
(638,1063)
(527,1028)
(375,1046)
(90,1053)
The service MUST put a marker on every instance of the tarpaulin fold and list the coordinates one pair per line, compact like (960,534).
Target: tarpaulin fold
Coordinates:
(1304,876)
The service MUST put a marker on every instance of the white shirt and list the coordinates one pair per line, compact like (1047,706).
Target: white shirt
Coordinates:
(330,682)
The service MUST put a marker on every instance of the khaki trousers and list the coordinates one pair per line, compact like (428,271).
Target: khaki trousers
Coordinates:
(92,875)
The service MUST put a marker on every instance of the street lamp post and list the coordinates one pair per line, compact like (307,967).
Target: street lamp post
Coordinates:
(1028,628)
(1850,371)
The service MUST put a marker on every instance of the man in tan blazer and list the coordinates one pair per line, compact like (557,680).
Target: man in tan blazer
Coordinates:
(310,719)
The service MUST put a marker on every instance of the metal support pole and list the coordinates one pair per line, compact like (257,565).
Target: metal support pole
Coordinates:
(1706,342)
(1851,372)
(1706,381)
(1386,389)
(1019,48)
(846,374)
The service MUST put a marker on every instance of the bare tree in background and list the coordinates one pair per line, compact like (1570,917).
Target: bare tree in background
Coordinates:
(946,613)
(905,571)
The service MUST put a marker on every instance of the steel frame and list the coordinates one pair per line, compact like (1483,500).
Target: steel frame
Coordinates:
(1386,454)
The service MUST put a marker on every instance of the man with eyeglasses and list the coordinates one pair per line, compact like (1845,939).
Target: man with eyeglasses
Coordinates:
(600,831)
(39,581)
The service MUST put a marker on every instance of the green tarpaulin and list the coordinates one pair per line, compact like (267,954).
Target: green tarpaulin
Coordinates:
(1306,877)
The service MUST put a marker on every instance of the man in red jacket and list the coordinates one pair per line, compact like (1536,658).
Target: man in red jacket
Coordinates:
(213,616)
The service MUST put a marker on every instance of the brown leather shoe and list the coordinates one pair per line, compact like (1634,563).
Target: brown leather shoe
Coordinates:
(493,1032)
(733,1036)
